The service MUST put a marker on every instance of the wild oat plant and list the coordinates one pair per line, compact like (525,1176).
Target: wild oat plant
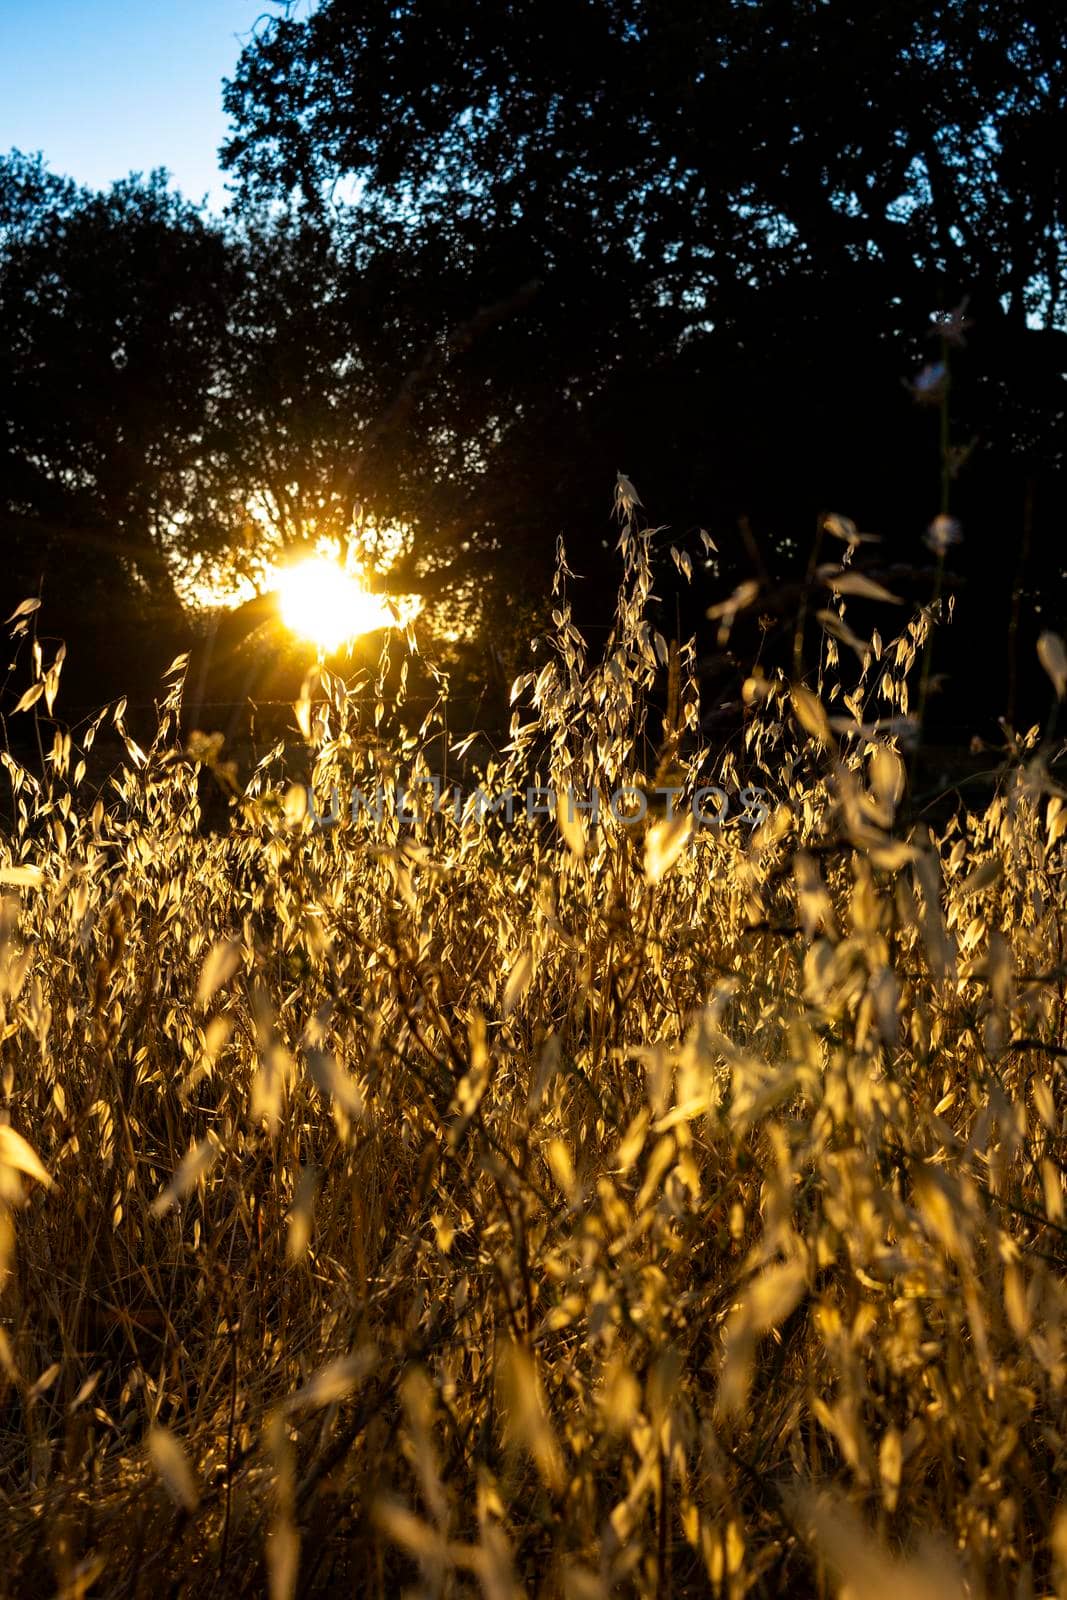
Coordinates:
(449,1206)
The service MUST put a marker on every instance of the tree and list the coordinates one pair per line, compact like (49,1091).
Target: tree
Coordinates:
(739,216)
(113,327)
(717,144)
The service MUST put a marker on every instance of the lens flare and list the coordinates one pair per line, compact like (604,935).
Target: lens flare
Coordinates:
(327,606)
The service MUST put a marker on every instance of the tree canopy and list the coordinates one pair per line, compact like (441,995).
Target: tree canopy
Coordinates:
(113,314)
(728,237)
(736,220)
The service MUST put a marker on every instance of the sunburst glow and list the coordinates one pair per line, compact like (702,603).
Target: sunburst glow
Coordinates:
(327,606)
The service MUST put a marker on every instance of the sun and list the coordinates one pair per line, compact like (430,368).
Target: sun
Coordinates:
(324,604)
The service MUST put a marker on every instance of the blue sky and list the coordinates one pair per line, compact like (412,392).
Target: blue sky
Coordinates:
(106,87)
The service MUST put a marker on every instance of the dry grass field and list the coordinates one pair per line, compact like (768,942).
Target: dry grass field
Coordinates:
(450,1206)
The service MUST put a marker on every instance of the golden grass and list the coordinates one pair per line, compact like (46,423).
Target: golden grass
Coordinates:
(465,1208)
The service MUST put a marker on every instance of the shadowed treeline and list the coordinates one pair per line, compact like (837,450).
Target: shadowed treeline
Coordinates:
(470,273)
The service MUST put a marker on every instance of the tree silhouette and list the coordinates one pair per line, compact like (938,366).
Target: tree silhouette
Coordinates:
(740,219)
(113,317)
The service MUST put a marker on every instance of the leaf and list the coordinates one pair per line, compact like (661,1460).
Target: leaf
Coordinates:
(179,664)
(743,596)
(892,855)
(772,1295)
(24,609)
(620,1396)
(1056,820)
(855,583)
(938,1203)
(302,706)
(839,527)
(811,715)
(982,877)
(889,1465)
(519,979)
(276,1072)
(299,1234)
(626,496)
(419,1538)
(31,697)
(172,1465)
(197,1163)
(833,624)
(1053,657)
(562,1168)
(664,843)
(887,778)
(222,962)
(864,1568)
(570,825)
(327,1076)
(283,1560)
(43,1383)
(86,1392)
(938,947)
(525,1417)
(1045,1104)
(684,562)
(768,1301)
(17,1154)
(295,804)
(21,877)
(333,1381)
(472,1086)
